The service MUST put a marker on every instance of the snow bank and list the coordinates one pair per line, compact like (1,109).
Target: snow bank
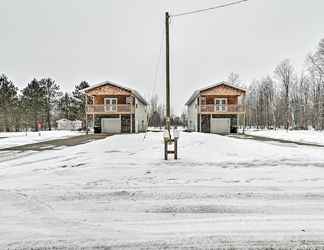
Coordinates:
(12,139)
(306,136)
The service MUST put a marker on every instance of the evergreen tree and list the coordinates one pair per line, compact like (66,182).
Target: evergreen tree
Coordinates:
(8,99)
(66,107)
(79,100)
(33,97)
(51,94)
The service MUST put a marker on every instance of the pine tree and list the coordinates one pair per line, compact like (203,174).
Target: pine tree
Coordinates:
(66,106)
(8,99)
(79,100)
(51,94)
(33,97)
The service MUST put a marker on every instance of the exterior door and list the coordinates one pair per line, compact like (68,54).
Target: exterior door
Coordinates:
(205,123)
(220,125)
(110,104)
(111,125)
(221,104)
(125,124)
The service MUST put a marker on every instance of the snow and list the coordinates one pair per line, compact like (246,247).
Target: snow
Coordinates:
(119,192)
(12,139)
(305,136)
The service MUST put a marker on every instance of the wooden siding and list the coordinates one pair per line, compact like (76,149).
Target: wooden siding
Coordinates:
(99,99)
(108,90)
(223,90)
(210,99)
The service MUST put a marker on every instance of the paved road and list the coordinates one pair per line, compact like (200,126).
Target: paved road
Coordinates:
(54,144)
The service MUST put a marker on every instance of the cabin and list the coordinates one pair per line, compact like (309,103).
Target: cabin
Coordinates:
(113,108)
(216,108)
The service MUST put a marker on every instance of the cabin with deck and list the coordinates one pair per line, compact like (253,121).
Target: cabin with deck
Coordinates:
(216,108)
(112,108)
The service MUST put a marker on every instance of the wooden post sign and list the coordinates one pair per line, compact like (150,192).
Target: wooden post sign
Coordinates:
(169,142)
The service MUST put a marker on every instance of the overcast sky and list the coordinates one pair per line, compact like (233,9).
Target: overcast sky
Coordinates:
(119,40)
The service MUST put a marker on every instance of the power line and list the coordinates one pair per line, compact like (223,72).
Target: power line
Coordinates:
(158,63)
(208,9)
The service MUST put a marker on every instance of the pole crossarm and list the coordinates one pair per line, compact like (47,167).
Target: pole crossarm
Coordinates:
(208,9)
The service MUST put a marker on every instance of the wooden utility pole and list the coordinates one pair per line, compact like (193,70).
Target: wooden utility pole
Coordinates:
(167,136)
(167,67)
(168,140)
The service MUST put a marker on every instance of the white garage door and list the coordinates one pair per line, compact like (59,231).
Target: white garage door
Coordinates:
(110,125)
(220,125)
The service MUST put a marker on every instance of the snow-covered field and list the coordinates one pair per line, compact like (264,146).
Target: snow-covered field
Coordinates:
(305,136)
(12,139)
(222,192)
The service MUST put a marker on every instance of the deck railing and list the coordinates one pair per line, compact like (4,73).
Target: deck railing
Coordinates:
(111,109)
(221,108)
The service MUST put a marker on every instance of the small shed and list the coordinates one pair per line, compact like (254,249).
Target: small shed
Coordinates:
(66,124)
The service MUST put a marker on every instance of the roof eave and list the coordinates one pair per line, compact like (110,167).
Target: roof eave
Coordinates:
(132,91)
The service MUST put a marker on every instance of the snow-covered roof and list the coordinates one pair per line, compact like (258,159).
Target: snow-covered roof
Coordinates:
(197,92)
(133,91)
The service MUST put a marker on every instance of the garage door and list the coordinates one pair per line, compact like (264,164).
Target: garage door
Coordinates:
(220,125)
(110,125)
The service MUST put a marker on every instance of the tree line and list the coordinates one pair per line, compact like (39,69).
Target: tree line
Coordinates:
(287,98)
(40,102)
(157,114)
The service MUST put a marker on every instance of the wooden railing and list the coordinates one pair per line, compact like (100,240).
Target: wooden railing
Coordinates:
(219,108)
(111,109)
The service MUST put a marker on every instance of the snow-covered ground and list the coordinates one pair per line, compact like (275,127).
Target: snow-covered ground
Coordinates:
(222,192)
(12,139)
(305,136)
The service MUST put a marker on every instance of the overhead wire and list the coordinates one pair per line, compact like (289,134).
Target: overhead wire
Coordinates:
(157,69)
(208,9)
(184,14)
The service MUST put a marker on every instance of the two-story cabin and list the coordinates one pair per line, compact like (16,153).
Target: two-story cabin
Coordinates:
(216,108)
(112,108)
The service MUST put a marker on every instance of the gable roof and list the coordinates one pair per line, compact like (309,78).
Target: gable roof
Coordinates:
(133,91)
(197,92)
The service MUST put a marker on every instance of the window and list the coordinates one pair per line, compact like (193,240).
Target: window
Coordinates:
(221,104)
(111,104)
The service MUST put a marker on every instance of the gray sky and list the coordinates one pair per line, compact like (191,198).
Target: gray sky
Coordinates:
(119,40)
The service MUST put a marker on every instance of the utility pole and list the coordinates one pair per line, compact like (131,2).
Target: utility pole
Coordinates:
(167,61)
(168,140)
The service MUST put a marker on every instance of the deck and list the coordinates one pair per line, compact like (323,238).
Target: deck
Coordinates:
(221,109)
(110,109)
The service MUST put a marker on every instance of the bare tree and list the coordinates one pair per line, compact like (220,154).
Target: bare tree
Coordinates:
(234,78)
(285,73)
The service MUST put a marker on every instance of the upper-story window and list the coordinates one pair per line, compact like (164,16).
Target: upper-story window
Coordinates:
(111,104)
(221,104)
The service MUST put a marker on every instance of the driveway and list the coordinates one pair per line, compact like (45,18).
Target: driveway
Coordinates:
(58,143)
